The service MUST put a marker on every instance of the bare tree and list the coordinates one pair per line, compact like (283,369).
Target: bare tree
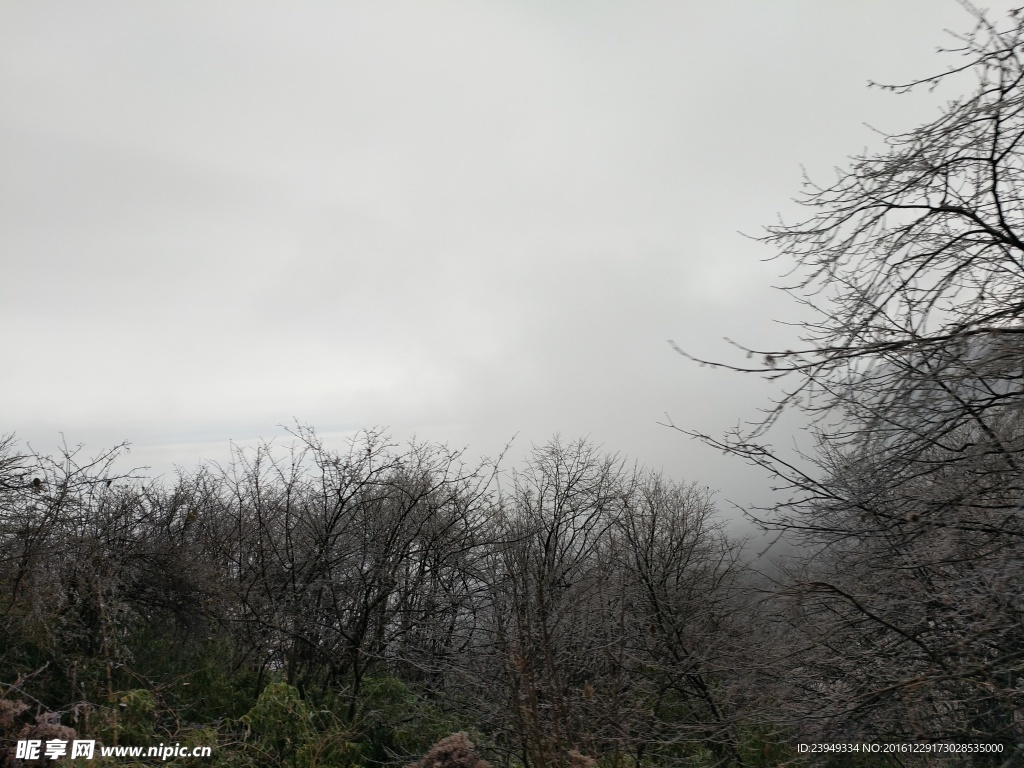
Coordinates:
(546,620)
(682,585)
(607,619)
(913,376)
(350,563)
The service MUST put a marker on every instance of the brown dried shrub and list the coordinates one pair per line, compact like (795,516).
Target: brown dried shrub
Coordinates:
(10,728)
(47,727)
(455,751)
(579,760)
(9,712)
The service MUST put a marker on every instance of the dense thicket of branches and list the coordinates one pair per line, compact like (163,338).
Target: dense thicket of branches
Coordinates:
(906,621)
(350,608)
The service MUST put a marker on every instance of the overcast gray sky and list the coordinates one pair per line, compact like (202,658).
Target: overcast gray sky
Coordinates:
(463,220)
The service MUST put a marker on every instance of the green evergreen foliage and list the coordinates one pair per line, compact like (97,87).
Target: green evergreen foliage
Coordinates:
(398,723)
(280,723)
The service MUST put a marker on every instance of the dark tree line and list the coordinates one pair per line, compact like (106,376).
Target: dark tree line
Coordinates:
(582,607)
